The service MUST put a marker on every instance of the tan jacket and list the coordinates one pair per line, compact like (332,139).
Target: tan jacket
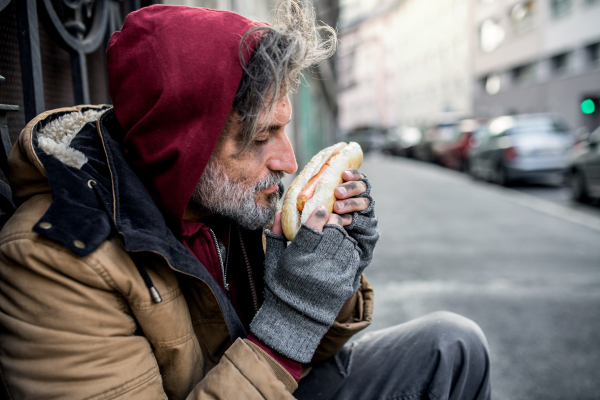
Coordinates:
(86,327)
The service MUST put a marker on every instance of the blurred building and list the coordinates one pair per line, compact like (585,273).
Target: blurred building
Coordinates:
(315,116)
(404,62)
(258,10)
(538,56)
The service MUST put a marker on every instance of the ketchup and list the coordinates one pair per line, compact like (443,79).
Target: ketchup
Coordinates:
(309,190)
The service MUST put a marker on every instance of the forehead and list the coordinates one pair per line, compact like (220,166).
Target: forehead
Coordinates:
(279,114)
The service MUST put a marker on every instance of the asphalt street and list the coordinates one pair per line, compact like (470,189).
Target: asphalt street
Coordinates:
(525,268)
(558,194)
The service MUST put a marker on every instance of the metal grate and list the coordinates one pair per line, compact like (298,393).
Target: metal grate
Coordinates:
(56,72)
(11,92)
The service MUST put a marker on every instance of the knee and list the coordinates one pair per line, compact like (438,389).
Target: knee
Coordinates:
(453,332)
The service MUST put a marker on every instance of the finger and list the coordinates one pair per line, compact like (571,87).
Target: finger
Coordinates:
(350,189)
(347,218)
(335,219)
(277,228)
(351,205)
(318,218)
(351,175)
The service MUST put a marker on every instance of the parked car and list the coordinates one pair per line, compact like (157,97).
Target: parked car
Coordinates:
(531,147)
(423,150)
(401,141)
(436,140)
(445,135)
(369,138)
(456,154)
(584,172)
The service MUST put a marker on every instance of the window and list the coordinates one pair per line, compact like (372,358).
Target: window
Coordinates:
(560,63)
(521,16)
(491,35)
(524,74)
(560,8)
(593,53)
(492,84)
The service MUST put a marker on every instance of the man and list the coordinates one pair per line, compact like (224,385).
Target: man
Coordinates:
(134,266)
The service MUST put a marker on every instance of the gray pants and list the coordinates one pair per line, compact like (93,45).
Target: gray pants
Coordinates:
(438,356)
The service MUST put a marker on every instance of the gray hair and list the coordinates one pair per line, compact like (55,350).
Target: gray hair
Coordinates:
(220,194)
(294,42)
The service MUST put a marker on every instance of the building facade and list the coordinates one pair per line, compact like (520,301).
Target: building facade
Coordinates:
(258,10)
(404,63)
(538,56)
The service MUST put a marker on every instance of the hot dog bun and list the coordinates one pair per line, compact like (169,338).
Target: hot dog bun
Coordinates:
(350,156)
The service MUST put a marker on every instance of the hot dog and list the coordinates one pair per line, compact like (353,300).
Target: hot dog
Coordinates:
(315,185)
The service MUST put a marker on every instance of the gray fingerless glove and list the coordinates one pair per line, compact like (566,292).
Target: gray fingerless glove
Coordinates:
(307,283)
(364,230)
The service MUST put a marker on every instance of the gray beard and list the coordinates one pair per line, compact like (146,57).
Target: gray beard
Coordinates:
(219,194)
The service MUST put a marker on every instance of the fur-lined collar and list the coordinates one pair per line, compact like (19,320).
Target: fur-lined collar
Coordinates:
(55,137)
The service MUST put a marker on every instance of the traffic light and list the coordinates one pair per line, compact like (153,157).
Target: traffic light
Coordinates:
(589,106)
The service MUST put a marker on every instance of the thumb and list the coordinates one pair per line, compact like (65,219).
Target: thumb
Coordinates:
(277,228)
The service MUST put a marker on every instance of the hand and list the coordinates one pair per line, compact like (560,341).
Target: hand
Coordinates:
(349,196)
(306,284)
(355,210)
(317,220)
(361,225)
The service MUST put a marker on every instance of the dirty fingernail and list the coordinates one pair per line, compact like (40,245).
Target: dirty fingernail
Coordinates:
(322,212)
(342,190)
(339,205)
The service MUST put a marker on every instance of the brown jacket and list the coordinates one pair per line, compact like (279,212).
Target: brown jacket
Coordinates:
(86,327)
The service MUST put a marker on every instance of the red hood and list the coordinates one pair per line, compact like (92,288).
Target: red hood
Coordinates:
(173,73)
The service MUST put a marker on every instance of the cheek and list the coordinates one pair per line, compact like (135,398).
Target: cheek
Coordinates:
(251,165)
(255,159)
(259,153)
(244,170)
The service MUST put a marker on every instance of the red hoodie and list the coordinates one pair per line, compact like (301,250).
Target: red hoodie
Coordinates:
(173,73)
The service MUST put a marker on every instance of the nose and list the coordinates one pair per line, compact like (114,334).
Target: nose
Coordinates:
(283,158)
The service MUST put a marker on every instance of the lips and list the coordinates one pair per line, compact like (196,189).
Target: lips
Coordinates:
(271,189)
(270,183)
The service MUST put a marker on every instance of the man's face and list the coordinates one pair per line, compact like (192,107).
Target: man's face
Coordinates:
(244,186)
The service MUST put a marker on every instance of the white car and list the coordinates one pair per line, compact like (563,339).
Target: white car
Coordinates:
(529,147)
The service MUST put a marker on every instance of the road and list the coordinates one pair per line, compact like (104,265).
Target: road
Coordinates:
(559,195)
(527,270)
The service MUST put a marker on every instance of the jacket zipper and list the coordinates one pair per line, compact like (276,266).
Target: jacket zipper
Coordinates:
(220,261)
(249,271)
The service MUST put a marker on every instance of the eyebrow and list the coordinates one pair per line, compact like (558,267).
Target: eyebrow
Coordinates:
(273,127)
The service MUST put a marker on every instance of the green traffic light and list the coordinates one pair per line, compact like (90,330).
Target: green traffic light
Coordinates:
(588,106)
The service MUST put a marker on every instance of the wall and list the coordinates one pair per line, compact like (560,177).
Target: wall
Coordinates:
(406,62)
(550,89)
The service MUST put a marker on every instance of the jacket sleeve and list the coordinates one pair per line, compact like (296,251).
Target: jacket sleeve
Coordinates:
(249,365)
(68,333)
(246,372)
(356,315)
